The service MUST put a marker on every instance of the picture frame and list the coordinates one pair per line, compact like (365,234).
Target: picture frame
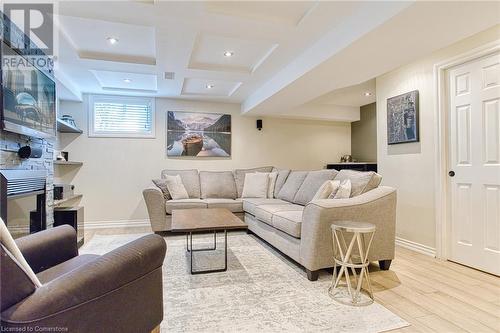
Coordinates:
(198,134)
(403,124)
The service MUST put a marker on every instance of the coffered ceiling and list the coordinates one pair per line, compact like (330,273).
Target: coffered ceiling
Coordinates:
(268,56)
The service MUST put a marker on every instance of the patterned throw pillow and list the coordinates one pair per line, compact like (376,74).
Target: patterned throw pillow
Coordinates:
(162,185)
(344,191)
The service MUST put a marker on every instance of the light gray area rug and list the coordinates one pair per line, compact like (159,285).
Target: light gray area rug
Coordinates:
(260,292)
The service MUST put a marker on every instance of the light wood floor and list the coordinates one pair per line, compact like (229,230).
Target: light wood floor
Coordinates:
(433,295)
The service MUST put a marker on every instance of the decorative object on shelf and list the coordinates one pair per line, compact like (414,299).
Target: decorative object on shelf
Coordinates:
(61,157)
(63,191)
(65,154)
(65,127)
(198,134)
(29,152)
(346,158)
(403,118)
(68,119)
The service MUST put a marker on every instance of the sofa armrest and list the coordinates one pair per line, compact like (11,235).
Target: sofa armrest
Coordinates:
(155,203)
(106,283)
(377,206)
(49,247)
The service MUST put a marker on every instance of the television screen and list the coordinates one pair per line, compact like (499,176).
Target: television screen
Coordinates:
(29,97)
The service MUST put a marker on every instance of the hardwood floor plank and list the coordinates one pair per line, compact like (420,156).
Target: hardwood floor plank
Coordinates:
(439,324)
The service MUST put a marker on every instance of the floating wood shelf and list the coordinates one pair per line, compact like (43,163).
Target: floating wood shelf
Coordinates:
(64,127)
(62,201)
(68,163)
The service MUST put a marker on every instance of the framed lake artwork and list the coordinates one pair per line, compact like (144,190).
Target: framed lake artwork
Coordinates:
(198,134)
(403,118)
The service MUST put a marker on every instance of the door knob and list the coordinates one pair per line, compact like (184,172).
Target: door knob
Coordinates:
(451,173)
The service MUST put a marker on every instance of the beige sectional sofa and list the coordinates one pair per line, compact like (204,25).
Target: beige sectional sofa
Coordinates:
(291,221)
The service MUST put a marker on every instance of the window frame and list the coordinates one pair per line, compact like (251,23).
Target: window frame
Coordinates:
(120,99)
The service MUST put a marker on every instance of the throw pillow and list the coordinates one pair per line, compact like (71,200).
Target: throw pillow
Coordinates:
(327,190)
(10,245)
(162,185)
(255,185)
(344,191)
(272,183)
(176,187)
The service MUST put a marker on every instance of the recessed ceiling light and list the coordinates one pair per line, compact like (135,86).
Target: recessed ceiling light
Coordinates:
(367,94)
(228,54)
(209,86)
(112,40)
(127,80)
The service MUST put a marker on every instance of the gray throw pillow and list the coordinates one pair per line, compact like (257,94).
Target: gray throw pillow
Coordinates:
(292,185)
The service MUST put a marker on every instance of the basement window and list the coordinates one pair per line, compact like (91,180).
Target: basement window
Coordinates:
(121,117)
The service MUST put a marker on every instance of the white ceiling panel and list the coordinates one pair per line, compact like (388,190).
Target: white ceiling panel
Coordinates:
(90,37)
(126,81)
(270,11)
(207,87)
(247,55)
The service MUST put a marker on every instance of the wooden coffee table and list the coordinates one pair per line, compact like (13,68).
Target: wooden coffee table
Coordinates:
(203,220)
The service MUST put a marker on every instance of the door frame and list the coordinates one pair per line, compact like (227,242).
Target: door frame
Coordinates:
(442,214)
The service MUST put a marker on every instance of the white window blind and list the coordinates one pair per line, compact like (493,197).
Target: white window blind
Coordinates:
(115,116)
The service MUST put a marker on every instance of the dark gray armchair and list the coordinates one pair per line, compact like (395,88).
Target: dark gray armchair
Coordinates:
(120,291)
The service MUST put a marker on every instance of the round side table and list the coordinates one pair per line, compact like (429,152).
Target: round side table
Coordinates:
(351,257)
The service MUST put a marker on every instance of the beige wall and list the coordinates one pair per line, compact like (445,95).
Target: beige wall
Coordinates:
(116,170)
(410,167)
(364,134)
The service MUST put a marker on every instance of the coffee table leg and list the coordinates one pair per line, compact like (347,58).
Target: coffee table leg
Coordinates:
(191,250)
(190,247)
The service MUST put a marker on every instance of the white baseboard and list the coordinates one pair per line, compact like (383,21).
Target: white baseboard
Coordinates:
(116,224)
(420,248)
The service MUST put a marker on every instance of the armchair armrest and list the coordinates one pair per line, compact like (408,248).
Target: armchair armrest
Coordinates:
(49,247)
(377,206)
(114,289)
(155,203)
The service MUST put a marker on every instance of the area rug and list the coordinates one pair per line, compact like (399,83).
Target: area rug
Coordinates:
(261,291)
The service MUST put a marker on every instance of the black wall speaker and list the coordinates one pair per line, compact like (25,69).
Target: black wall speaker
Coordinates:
(259,124)
(29,152)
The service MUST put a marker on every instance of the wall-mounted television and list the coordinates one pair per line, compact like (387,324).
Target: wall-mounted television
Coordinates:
(28,96)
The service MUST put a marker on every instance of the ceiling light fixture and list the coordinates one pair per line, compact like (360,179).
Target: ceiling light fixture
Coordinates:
(127,80)
(112,40)
(209,86)
(228,54)
(368,94)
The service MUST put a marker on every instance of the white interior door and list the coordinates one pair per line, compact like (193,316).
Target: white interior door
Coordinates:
(474,158)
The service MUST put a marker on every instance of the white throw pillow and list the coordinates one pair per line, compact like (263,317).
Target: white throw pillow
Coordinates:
(327,190)
(272,183)
(176,187)
(344,191)
(255,185)
(11,246)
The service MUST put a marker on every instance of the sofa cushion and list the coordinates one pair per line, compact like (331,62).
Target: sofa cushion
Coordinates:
(289,222)
(65,267)
(184,204)
(190,179)
(265,213)
(280,180)
(311,184)
(217,184)
(249,204)
(361,181)
(256,185)
(233,205)
(239,176)
(176,187)
(292,185)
